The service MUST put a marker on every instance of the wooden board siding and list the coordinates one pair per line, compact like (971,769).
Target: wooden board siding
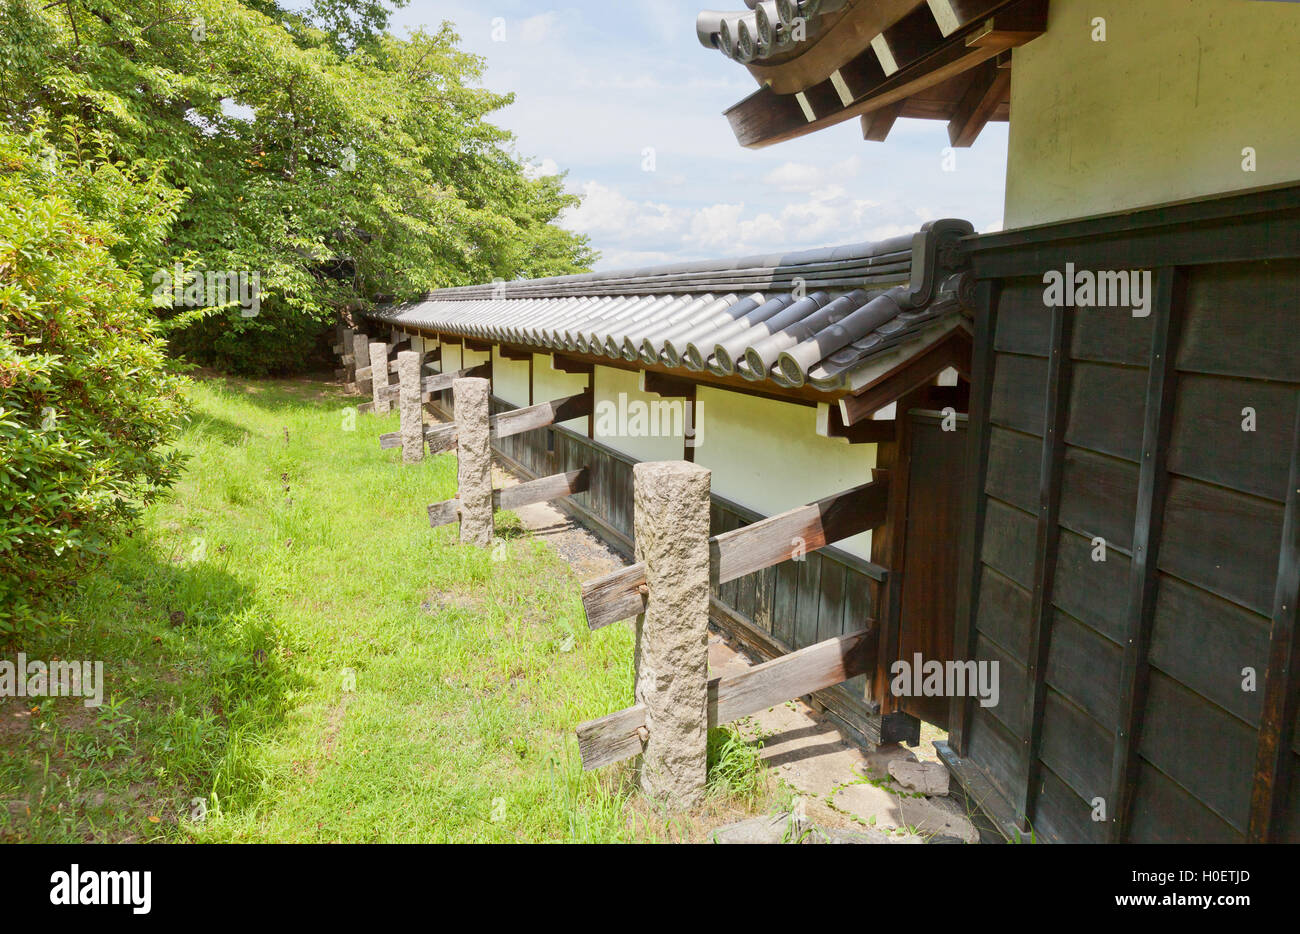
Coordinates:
(794,604)
(936,468)
(1141,704)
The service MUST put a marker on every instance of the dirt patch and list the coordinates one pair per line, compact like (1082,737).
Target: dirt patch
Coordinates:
(441,601)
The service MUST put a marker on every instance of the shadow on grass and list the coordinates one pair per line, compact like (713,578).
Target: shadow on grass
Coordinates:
(195,676)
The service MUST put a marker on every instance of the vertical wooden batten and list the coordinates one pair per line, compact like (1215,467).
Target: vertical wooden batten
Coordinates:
(1153,483)
(1056,414)
(987,296)
(1274,771)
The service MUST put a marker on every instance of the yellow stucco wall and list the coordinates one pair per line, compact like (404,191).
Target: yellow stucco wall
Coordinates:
(767,455)
(556,384)
(509,378)
(451,358)
(621,435)
(1161,111)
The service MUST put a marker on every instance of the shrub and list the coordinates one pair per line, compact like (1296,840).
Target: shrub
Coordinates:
(87,406)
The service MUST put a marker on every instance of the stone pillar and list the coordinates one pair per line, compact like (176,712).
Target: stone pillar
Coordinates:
(672,661)
(360,359)
(379,376)
(346,349)
(409,408)
(473,459)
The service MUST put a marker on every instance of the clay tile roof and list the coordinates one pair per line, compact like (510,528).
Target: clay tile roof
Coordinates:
(807,318)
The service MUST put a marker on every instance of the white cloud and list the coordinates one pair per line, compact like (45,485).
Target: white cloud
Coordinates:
(593,90)
(539,28)
(629,231)
(535,170)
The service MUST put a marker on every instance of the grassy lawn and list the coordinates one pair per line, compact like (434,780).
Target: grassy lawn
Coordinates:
(292,654)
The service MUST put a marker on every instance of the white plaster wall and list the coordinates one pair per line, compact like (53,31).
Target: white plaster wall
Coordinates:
(556,384)
(1159,112)
(509,379)
(768,456)
(618,433)
(450,358)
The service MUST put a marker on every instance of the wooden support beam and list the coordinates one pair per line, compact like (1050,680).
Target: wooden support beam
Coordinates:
(444,513)
(952,15)
(988,294)
(1153,483)
(478,346)
(541,490)
(767,117)
(1055,414)
(989,86)
(542,414)
(439,438)
(796,532)
(876,124)
(1013,26)
(621,594)
(514,353)
(662,384)
(567,364)
(1274,758)
(516,421)
(440,382)
(814,668)
(907,41)
(868,431)
(522,494)
(954,350)
(612,738)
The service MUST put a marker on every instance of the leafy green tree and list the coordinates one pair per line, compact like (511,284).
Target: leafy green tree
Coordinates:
(340,164)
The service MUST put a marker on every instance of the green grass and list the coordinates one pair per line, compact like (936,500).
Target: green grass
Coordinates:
(292,654)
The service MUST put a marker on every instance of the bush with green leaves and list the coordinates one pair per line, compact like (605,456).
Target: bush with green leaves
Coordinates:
(87,404)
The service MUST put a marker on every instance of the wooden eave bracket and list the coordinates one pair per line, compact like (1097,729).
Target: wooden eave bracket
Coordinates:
(953,350)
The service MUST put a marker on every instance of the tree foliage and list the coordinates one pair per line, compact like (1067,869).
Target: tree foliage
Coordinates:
(339,163)
(326,159)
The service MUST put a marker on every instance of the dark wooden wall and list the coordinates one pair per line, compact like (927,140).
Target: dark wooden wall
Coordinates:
(1122,680)
(936,472)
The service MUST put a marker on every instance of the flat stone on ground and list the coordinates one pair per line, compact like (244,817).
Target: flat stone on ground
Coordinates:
(929,778)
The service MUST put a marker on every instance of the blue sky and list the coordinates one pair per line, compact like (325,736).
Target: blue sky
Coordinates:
(599,85)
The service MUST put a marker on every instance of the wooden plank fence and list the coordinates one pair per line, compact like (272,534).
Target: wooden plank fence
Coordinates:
(665,726)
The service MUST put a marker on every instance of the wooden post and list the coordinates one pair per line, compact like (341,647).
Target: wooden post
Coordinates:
(360,360)
(672,540)
(474,459)
(379,376)
(409,409)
